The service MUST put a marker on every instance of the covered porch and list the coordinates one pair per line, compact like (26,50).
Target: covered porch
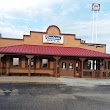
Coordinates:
(54,66)
(53,61)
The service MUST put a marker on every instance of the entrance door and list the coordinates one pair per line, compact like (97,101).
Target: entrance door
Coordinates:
(66,68)
(77,68)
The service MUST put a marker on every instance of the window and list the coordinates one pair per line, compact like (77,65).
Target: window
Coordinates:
(77,67)
(89,64)
(76,64)
(63,65)
(45,63)
(92,64)
(15,62)
(31,63)
(70,65)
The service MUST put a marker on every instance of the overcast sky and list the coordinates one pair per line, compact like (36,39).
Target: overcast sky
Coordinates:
(18,17)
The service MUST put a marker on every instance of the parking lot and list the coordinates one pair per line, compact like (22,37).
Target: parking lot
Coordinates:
(65,96)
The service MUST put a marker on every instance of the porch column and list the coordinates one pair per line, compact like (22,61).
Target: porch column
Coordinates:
(56,66)
(101,68)
(7,65)
(82,61)
(30,57)
(1,55)
(107,60)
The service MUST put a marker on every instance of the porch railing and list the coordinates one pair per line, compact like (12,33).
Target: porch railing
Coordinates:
(32,71)
(96,73)
(87,73)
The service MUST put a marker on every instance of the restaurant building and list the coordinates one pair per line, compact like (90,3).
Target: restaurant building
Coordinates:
(54,54)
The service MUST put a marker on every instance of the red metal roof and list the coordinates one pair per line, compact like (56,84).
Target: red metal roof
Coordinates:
(52,50)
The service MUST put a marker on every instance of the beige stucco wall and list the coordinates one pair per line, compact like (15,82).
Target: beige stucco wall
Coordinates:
(36,38)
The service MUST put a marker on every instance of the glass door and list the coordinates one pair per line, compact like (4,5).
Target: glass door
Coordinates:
(77,68)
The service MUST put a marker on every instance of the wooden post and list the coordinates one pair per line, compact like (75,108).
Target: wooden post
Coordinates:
(7,65)
(0,66)
(82,61)
(101,69)
(30,57)
(1,55)
(56,66)
(107,60)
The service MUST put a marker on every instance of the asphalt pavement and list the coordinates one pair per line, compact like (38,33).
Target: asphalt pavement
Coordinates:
(25,96)
(50,93)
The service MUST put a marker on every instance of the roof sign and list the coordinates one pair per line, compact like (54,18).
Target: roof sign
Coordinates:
(95,7)
(56,39)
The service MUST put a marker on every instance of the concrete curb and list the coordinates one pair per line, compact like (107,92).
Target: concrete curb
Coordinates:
(35,80)
(30,82)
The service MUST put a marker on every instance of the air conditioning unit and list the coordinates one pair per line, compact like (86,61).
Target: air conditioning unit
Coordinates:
(0,35)
(82,41)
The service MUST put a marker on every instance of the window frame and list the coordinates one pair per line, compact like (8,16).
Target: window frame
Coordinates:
(18,62)
(64,65)
(47,67)
(31,65)
(70,65)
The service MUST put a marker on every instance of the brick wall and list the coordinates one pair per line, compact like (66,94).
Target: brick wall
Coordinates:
(36,38)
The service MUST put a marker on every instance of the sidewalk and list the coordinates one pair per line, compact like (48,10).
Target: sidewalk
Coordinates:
(69,81)
(86,82)
(26,79)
